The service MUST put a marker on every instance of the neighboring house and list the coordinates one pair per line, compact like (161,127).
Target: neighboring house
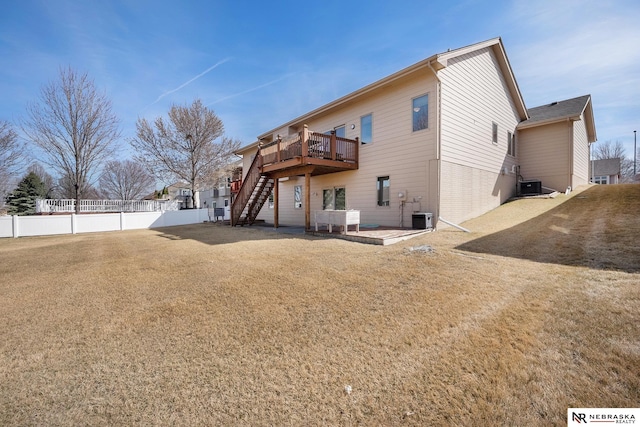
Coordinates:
(221,195)
(443,136)
(181,192)
(605,171)
(554,143)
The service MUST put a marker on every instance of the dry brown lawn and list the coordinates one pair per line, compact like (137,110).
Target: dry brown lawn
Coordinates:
(535,311)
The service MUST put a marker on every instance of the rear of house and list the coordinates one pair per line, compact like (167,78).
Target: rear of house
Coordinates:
(447,135)
(481,107)
(397,173)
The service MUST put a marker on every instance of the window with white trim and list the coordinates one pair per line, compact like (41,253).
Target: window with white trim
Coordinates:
(600,179)
(366,129)
(382,190)
(334,198)
(494,132)
(297,197)
(420,111)
(511,144)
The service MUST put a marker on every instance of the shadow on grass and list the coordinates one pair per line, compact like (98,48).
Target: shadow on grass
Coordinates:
(220,234)
(597,228)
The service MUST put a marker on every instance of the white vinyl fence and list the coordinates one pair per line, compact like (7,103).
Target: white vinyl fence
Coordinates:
(45,225)
(69,206)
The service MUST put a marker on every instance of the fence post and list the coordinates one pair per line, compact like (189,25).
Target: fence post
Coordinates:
(121,221)
(14,226)
(73,223)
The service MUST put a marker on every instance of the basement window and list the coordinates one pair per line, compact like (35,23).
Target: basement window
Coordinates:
(297,197)
(382,190)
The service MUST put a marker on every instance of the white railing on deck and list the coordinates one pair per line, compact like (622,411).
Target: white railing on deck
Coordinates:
(47,206)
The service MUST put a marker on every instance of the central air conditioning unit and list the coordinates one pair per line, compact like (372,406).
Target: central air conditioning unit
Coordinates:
(531,187)
(422,221)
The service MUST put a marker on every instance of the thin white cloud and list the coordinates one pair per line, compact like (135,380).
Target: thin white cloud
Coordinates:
(191,80)
(574,47)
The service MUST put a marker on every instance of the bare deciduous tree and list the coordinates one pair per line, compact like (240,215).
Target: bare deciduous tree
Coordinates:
(11,150)
(126,180)
(45,177)
(11,156)
(615,150)
(75,128)
(65,189)
(190,146)
(608,150)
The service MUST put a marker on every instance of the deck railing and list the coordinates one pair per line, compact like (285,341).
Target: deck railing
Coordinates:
(47,206)
(310,144)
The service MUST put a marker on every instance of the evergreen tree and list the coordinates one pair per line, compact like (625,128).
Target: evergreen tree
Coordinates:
(22,200)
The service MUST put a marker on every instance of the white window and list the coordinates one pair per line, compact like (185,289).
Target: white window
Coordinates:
(339,130)
(334,198)
(494,132)
(382,190)
(600,179)
(420,112)
(297,197)
(366,129)
(511,144)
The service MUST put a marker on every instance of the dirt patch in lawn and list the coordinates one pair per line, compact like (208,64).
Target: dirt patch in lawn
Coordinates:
(211,325)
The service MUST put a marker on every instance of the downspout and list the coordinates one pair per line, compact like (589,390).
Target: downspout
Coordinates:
(438,140)
(571,142)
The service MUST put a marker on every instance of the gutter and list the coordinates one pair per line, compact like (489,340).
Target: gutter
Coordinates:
(527,125)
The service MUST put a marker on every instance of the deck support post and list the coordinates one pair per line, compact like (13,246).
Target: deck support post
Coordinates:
(332,145)
(307,201)
(305,140)
(276,198)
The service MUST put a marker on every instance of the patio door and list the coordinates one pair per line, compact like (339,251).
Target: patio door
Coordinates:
(334,198)
(340,131)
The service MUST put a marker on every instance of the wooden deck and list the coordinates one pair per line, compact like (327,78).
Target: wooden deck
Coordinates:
(309,152)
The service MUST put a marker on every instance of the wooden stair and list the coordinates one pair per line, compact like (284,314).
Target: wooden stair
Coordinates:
(254,192)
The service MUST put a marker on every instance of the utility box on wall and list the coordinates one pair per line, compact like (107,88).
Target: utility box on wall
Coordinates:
(422,220)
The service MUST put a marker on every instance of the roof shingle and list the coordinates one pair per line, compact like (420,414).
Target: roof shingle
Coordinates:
(558,110)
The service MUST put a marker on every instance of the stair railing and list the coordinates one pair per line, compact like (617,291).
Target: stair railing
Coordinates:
(248,185)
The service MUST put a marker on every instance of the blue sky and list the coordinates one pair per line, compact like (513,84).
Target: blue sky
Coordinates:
(259,64)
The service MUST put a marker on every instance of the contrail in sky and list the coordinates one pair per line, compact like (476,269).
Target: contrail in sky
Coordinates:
(249,90)
(190,81)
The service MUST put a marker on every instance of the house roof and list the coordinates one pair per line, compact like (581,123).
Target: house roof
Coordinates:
(569,109)
(179,184)
(605,167)
(434,63)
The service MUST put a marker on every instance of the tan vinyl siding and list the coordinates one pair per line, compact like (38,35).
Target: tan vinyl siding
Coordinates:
(395,151)
(460,202)
(580,153)
(474,96)
(544,154)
